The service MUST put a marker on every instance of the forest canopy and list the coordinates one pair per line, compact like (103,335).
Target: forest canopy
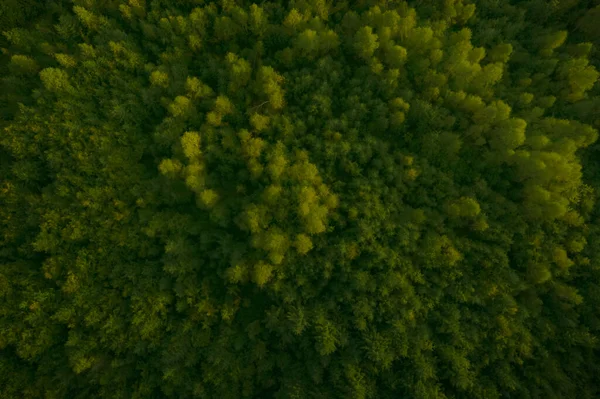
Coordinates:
(299,199)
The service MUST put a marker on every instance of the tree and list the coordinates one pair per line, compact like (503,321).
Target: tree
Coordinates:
(365,43)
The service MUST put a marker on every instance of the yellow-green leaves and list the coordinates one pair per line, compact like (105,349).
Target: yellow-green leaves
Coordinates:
(253,147)
(268,85)
(22,64)
(170,167)
(329,41)
(307,199)
(89,19)
(65,60)
(160,79)
(508,134)
(440,251)
(580,76)
(293,18)
(400,104)
(303,244)
(311,211)
(197,89)
(500,53)
(240,72)
(398,110)
(208,198)
(275,242)
(277,162)
(463,207)
(55,80)
(476,54)
(311,43)
(195,176)
(542,203)
(549,42)
(225,28)
(395,56)
(365,43)
(237,273)
(195,42)
(181,107)
(87,51)
(190,142)
(560,257)
(258,20)
(538,273)
(576,243)
(253,218)
(272,194)
(307,42)
(262,273)
(223,106)
(259,122)
(135,8)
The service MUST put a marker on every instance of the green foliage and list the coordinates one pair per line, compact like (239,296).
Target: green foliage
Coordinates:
(15,13)
(305,199)
(56,80)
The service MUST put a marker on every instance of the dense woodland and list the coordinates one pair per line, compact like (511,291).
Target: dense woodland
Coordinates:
(303,199)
